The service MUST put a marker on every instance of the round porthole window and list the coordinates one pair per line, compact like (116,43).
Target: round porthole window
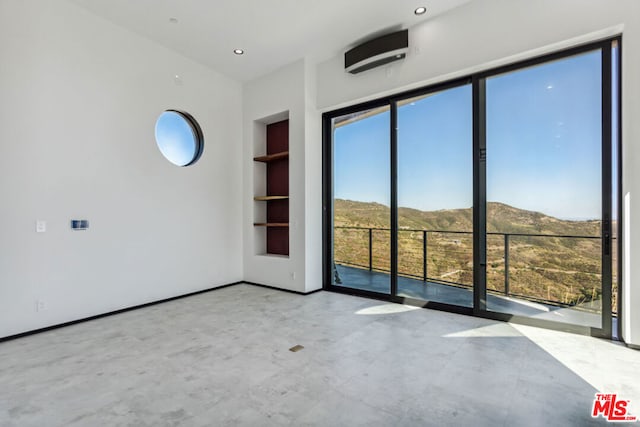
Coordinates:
(179,137)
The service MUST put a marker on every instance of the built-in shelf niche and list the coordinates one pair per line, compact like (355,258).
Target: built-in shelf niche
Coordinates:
(271,185)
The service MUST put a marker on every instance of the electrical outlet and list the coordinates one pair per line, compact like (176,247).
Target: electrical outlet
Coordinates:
(293,275)
(40,305)
(41,226)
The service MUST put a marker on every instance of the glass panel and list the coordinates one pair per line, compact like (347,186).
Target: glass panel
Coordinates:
(615,189)
(544,173)
(361,191)
(178,137)
(435,197)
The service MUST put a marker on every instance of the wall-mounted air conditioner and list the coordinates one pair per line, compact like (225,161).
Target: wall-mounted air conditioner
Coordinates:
(379,51)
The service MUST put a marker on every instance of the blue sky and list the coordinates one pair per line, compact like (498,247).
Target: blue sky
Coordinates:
(361,160)
(175,138)
(543,145)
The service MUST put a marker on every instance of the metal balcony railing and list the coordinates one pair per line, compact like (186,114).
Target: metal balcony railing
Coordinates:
(367,259)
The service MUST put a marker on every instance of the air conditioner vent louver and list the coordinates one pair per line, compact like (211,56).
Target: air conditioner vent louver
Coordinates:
(379,51)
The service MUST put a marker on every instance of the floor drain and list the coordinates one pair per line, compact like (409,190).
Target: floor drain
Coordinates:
(296,348)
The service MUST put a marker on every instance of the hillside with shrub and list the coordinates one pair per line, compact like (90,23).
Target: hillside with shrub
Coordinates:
(544,265)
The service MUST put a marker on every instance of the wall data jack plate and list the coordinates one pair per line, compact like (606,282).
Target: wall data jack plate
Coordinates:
(79,224)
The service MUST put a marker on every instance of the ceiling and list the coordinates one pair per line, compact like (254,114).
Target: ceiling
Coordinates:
(272,33)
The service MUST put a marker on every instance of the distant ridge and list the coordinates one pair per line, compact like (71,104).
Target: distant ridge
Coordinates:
(500,218)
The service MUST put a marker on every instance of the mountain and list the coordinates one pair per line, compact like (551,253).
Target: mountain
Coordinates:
(501,218)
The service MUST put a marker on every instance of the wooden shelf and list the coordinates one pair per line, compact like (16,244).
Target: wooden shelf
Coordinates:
(272,216)
(267,198)
(272,157)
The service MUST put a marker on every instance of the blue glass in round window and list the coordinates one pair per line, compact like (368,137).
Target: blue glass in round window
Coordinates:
(179,137)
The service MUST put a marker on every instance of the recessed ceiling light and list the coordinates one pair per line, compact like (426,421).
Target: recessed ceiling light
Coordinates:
(420,11)
(238,51)
(173,20)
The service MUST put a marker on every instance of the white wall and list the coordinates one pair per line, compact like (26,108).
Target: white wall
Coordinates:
(278,92)
(480,35)
(313,184)
(288,89)
(487,33)
(78,102)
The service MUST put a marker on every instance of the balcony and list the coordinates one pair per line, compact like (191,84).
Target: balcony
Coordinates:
(437,265)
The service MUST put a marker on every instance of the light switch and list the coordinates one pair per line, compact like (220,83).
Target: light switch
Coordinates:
(41,226)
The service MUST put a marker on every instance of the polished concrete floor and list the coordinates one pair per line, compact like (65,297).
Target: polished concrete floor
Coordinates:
(376,281)
(222,359)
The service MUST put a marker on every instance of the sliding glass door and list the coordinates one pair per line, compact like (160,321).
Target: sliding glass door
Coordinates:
(495,195)
(435,196)
(544,191)
(361,200)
